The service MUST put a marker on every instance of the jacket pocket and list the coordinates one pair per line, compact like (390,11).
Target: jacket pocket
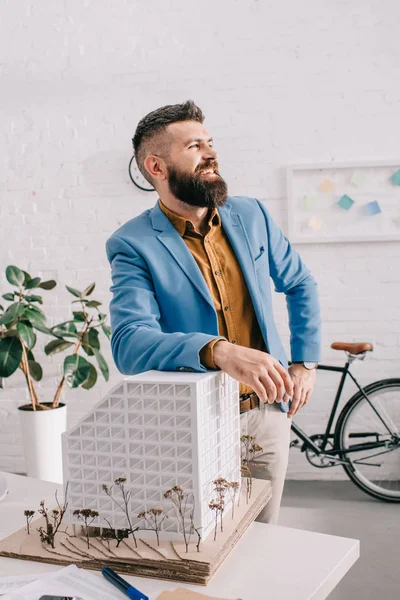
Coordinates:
(260,258)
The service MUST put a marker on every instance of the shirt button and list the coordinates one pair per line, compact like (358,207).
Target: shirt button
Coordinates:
(217,272)
(226,307)
(233,342)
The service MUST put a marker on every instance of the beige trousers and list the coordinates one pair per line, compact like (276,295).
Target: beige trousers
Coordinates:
(271,427)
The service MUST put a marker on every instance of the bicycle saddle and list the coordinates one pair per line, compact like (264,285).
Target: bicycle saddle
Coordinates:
(355,348)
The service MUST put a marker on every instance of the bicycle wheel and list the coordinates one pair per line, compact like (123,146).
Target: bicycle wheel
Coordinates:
(375,465)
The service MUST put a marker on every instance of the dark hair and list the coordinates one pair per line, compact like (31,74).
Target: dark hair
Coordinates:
(150,133)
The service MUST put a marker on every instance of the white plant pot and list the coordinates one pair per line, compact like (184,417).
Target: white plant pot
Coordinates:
(41,435)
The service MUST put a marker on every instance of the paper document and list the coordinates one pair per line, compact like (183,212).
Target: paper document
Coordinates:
(8,584)
(70,581)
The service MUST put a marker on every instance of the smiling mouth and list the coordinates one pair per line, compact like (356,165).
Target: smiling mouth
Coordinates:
(208,172)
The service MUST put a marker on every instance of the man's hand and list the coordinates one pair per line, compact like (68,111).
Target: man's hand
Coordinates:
(261,371)
(303,381)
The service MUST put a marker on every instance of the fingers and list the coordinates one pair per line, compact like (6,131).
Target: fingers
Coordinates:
(300,395)
(296,399)
(268,389)
(287,380)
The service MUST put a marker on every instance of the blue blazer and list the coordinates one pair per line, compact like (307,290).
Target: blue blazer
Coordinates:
(162,312)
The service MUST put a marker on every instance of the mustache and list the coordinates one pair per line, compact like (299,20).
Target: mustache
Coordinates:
(211,165)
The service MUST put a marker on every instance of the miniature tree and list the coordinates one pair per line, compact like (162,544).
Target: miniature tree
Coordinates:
(154,518)
(114,534)
(52,521)
(249,449)
(29,516)
(217,508)
(180,500)
(221,487)
(87,516)
(124,506)
(233,488)
(195,529)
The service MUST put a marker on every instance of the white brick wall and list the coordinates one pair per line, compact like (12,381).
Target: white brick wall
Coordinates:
(278,82)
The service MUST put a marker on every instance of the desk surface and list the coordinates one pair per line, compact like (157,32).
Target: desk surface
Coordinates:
(269,562)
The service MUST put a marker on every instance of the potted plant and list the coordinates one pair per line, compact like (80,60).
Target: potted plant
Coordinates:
(43,422)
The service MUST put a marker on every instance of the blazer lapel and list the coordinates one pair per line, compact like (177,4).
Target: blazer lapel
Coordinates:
(234,228)
(175,245)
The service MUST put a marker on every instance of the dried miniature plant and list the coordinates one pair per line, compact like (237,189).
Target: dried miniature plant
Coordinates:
(87,516)
(195,529)
(217,508)
(221,486)
(249,450)
(124,505)
(154,518)
(53,520)
(234,489)
(114,534)
(180,499)
(29,516)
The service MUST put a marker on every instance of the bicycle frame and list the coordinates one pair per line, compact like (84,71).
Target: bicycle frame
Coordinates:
(308,442)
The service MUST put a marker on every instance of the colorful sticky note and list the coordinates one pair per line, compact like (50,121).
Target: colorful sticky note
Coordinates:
(396,178)
(308,202)
(345,202)
(327,186)
(372,208)
(357,178)
(314,223)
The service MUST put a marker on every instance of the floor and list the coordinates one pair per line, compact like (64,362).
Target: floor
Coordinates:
(339,508)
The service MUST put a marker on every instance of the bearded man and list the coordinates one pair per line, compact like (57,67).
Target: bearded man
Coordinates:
(191,287)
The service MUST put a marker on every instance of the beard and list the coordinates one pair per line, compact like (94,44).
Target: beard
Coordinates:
(196,189)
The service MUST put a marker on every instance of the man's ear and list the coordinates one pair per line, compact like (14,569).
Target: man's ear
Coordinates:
(156,167)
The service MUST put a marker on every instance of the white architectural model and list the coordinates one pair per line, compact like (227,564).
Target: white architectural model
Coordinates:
(158,429)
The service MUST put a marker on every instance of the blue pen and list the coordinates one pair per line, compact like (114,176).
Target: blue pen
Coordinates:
(123,585)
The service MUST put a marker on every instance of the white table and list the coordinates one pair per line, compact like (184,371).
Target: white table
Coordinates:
(269,563)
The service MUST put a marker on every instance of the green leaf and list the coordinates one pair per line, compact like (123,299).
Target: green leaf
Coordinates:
(76,370)
(8,297)
(102,364)
(91,380)
(34,299)
(93,304)
(10,355)
(94,339)
(37,319)
(32,283)
(27,277)
(40,327)
(86,346)
(38,311)
(88,290)
(56,346)
(107,330)
(35,370)
(73,291)
(48,285)
(79,315)
(15,276)
(26,334)
(13,311)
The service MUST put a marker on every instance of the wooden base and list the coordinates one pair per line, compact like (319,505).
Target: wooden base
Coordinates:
(168,561)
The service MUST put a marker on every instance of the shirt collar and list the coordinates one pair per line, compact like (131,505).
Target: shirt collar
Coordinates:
(182,225)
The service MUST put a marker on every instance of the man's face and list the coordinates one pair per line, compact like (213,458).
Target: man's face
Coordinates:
(193,175)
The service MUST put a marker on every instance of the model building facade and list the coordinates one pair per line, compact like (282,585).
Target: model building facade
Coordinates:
(157,429)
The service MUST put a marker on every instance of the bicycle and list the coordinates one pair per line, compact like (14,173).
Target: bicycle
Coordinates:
(366,435)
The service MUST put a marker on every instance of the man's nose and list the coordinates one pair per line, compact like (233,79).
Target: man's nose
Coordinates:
(209,153)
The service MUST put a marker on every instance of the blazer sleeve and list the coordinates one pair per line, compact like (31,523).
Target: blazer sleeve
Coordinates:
(137,342)
(293,278)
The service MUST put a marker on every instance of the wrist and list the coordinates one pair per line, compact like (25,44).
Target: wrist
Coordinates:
(220,351)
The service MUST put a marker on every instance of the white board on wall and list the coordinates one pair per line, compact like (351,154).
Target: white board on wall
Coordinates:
(313,193)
